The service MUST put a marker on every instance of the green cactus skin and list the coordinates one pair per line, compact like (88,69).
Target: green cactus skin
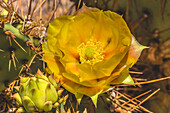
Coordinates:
(22,56)
(37,93)
(6,75)
(16,33)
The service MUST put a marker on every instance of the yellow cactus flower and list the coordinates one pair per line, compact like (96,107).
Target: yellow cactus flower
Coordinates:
(90,50)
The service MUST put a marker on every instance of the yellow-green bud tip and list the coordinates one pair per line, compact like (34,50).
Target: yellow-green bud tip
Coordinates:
(89,52)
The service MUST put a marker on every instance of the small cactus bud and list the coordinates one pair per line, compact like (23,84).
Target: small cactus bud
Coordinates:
(23,79)
(52,80)
(37,94)
(48,106)
(28,104)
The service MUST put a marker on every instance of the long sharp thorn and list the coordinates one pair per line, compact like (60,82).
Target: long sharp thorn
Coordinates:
(20,46)
(34,8)
(40,11)
(151,81)
(29,8)
(32,60)
(21,8)
(145,99)
(15,10)
(136,97)
(2,50)
(20,71)
(16,58)
(14,63)
(4,106)
(10,43)
(9,65)
(40,5)
(135,72)
(12,4)
(132,101)
(78,4)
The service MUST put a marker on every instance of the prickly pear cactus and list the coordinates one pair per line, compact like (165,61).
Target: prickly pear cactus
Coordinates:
(12,57)
(38,93)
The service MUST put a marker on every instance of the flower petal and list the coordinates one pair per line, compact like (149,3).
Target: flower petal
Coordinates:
(72,67)
(116,73)
(123,78)
(91,91)
(133,54)
(101,69)
(124,33)
(91,83)
(53,31)
(52,60)
(80,89)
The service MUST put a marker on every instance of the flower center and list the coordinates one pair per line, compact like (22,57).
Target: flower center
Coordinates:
(91,52)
